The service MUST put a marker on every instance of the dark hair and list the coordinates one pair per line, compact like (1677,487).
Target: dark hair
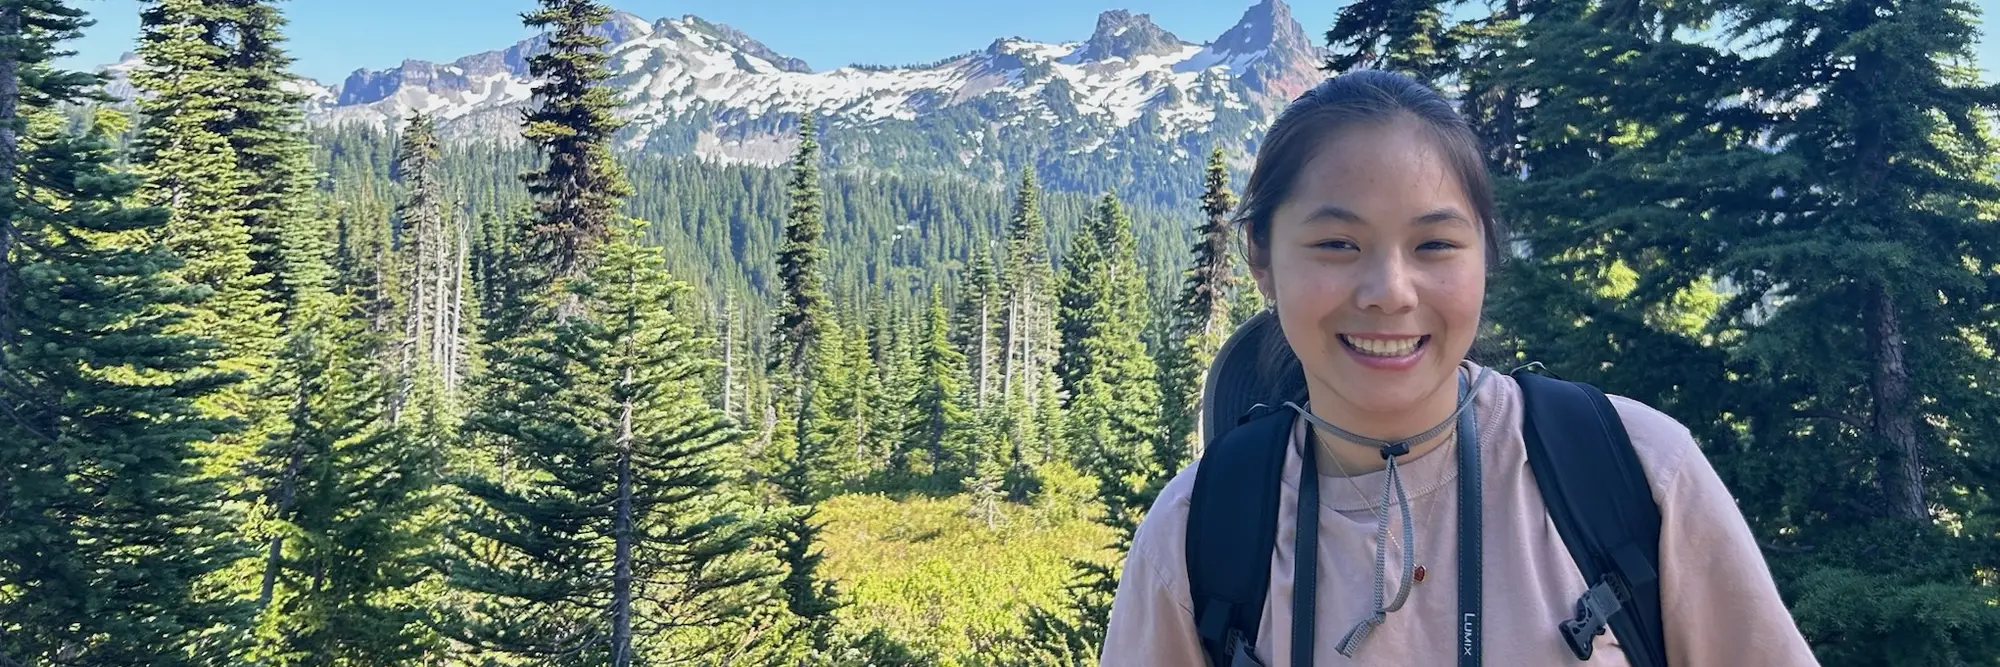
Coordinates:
(1356,98)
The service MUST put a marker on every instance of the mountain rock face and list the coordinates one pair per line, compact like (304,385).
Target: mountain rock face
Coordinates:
(1131,102)
(1123,35)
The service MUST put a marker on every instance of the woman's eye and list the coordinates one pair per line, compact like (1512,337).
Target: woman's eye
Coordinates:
(1334,244)
(1437,245)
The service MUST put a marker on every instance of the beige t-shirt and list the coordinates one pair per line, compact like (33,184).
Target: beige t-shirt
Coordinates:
(1719,605)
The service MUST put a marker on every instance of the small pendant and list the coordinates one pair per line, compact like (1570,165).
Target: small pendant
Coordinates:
(1418,577)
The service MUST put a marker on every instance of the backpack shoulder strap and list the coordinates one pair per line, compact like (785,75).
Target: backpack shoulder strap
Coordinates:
(1231,528)
(1599,498)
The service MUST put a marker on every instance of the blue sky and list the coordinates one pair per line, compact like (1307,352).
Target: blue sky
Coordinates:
(331,38)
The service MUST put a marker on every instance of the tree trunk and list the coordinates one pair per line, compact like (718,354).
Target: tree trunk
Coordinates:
(457,328)
(1900,466)
(985,349)
(1029,380)
(441,310)
(1007,341)
(271,560)
(622,533)
(728,360)
(288,489)
(803,439)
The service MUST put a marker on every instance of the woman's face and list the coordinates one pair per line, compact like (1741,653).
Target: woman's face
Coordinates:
(1376,265)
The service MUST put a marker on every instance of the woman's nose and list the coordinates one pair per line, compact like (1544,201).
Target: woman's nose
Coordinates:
(1387,285)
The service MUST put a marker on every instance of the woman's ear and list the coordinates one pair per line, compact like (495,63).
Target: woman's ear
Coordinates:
(1260,265)
(1264,285)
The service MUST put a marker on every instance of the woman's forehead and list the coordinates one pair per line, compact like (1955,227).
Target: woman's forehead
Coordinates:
(1377,176)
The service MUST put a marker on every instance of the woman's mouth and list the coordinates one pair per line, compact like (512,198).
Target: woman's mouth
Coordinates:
(1384,347)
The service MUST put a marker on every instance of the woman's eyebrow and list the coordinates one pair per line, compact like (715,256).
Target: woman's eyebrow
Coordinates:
(1333,213)
(1337,214)
(1441,215)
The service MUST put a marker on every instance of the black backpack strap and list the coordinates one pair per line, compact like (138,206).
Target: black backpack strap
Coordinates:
(1231,528)
(1599,498)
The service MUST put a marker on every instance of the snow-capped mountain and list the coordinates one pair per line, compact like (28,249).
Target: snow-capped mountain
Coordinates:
(1132,97)
(738,95)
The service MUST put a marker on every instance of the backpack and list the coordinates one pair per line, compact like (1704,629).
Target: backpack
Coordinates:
(1582,458)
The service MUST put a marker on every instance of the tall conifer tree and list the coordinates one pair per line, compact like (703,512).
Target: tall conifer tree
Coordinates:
(800,355)
(186,147)
(1028,332)
(620,541)
(355,499)
(617,537)
(1200,320)
(265,124)
(579,188)
(1112,419)
(936,414)
(108,526)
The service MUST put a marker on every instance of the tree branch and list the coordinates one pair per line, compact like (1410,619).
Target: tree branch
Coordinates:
(1780,548)
(1853,420)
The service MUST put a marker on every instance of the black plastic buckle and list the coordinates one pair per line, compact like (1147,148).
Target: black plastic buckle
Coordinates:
(1395,450)
(1593,611)
(1239,651)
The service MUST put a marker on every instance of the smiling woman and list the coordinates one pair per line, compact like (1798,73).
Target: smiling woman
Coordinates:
(1371,230)
(1381,281)
(1391,219)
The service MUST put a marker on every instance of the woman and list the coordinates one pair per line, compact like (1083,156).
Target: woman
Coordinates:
(1370,230)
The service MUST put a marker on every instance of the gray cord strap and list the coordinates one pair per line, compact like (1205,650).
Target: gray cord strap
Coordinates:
(1306,552)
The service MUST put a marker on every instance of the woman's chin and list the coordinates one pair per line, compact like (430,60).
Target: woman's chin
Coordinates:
(1386,395)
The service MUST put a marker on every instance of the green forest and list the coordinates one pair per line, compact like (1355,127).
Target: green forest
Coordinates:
(272,395)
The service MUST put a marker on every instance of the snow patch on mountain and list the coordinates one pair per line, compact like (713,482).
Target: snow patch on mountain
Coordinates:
(712,90)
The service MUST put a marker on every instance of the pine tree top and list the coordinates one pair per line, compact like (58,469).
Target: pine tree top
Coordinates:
(581,188)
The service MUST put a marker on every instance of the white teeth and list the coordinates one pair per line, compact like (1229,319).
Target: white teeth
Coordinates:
(1384,348)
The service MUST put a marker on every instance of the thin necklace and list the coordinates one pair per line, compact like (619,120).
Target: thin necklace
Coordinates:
(1450,441)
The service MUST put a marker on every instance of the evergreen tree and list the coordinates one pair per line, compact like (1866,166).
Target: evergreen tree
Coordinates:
(622,536)
(362,264)
(1027,334)
(1104,305)
(616,531)
(431,268)
(976,325)
(578,190)
(192,170)
(810,599)
(186,149)
(1448,45)
(936,417)
(106,525)
(852,385)
(1407,36)
(354,503)
(800,356)
(1112,418)
(265,124)
(1080,301)
(802,293)
(1201,321)
(902,382)
(1842,207)
(987,471)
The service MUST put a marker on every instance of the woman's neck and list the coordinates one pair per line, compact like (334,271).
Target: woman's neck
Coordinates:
(1353,459)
